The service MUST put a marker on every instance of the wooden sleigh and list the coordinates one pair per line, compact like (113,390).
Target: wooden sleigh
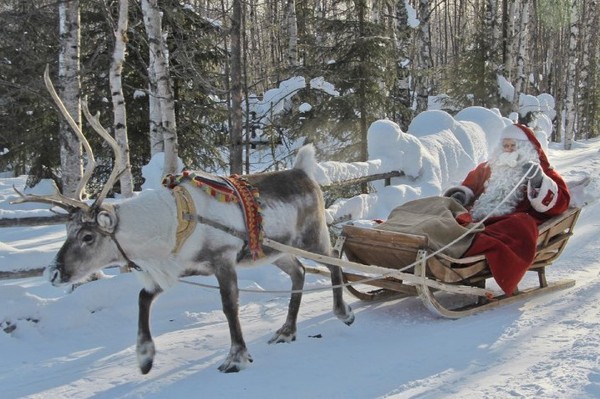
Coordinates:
(396,250)
(394,265)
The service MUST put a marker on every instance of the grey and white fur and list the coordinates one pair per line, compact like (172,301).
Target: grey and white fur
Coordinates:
(145,228)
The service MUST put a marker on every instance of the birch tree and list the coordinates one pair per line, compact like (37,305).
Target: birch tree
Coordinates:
(157,144)
(118,100)
(292,28)
(589,53)
(402,35)
(571,82)
(69,83)
(510,8)
(424,62)
(521,53)
(161,87)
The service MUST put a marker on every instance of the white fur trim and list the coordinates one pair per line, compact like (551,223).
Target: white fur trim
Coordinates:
(513,132)
(536,196)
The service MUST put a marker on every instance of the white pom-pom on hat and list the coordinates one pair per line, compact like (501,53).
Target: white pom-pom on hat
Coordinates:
(513,132)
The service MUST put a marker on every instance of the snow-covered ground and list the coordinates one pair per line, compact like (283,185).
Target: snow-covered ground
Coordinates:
(82,344)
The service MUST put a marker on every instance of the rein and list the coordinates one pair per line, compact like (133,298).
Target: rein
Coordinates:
(130,264)
(391,273)
(242,236)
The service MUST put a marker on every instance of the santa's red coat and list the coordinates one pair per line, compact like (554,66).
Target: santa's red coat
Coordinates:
(509,242)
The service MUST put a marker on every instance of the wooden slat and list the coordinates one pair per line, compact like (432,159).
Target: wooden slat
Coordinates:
(385,237)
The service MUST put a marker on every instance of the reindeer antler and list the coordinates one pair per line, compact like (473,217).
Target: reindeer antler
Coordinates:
(59,199)
(55,199)
(91,164)
(119,167)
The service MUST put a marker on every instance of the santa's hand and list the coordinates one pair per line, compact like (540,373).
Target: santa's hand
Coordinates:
(533,173)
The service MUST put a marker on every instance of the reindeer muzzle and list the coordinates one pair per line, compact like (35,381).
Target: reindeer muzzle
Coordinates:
(54,275)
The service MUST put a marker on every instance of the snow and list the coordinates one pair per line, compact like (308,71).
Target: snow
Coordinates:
(82,344)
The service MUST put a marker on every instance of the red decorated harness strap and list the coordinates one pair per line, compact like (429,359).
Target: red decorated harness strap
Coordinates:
(230,189)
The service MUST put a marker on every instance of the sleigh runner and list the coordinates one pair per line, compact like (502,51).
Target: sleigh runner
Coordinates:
(379,259)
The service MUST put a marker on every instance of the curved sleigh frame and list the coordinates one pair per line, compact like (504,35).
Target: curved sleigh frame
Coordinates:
(396,250)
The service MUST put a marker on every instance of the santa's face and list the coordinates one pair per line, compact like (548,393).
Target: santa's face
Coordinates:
(511,153)
(509,145)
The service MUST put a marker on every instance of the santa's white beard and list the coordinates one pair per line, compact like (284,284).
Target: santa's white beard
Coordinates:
(498,187)
(510,159)
(507,170)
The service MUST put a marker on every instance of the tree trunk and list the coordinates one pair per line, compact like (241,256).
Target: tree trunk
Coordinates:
(510,39)
(236,145)
(69,83)
(571,82)
(156,139)
(163,91)
(586,75)
(118,100)
(292,25)
(361,6)
(521,53)
(424,63)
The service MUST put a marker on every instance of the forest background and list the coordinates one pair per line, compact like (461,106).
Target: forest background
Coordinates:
(180,77)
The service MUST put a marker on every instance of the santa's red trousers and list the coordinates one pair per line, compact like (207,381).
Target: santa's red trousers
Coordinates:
(509,244)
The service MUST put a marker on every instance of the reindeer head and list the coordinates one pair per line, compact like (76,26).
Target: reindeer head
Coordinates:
(89,246)
(90,243)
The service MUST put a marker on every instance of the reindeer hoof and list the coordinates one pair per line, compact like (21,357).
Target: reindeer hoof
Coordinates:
(287,333)
(348,316)
(236,362)
(280,337)
(146,367)
(349,320)
(145,355)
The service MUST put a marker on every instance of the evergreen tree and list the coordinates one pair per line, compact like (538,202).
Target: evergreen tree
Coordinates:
(356,54)
(29,133)
(471,77)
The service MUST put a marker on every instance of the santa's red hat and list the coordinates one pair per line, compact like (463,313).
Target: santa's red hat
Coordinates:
(522,132)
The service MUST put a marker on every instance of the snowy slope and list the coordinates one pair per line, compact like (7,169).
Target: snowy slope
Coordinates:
(82,344)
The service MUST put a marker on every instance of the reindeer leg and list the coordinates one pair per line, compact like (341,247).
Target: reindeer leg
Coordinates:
(145,346)
(341,309)
(238,357)
(291,266)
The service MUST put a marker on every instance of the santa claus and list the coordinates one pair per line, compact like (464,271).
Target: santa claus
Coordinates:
(513,192)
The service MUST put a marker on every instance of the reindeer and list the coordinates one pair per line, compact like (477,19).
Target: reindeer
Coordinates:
(141,232)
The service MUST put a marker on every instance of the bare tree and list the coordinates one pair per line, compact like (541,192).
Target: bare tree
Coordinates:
(424,62)
(118,100)
(161,87)
(520,52)
(571,82)
(589,50)
(70,89)
(292,27)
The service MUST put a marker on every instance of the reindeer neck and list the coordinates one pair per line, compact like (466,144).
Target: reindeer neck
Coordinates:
(147,222)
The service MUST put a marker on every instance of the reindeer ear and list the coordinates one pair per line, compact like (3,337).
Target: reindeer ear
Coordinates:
(106,221)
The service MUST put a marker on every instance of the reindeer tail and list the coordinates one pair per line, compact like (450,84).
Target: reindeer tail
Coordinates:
(305,160)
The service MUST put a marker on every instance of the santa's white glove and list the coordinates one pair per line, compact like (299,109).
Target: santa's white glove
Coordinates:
(535,174)
(459,195)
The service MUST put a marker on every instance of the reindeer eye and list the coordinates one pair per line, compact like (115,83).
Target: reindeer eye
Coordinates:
(87,238)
